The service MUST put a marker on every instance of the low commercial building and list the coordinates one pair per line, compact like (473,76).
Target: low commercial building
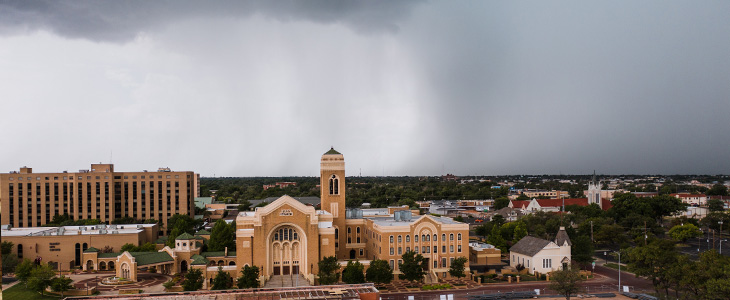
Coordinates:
(63,247)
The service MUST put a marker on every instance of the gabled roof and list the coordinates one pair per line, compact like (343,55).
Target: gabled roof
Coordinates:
(562,237)
(520,203)
(529,246)
(149,258)
(332,151)
(92,249)
(185,236)
(559,202)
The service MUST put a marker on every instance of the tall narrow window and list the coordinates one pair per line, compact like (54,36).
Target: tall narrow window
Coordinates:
(334,185)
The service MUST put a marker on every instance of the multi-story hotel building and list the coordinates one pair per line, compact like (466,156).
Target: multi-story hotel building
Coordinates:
(32,199)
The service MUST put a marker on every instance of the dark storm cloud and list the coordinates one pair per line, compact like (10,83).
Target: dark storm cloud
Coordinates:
(119,21)
(400,87)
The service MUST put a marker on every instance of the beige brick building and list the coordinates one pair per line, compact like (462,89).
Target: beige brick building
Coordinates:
(32,199)
(287,237)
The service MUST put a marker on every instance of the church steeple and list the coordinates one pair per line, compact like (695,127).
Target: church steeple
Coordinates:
(332,193)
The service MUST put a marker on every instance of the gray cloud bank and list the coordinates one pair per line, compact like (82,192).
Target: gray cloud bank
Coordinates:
(401,88)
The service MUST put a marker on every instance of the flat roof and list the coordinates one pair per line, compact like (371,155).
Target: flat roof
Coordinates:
(75,230)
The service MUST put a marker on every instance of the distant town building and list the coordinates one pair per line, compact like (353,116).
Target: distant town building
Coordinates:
(280,185)
(692,199)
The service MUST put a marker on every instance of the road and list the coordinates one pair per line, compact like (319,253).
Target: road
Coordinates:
(605,281)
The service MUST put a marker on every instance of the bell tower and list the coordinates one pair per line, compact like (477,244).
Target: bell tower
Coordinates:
(594,191)
(332,191)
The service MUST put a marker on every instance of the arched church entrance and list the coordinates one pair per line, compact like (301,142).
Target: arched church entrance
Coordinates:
(286,250)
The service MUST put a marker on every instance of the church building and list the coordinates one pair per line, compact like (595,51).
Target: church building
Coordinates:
(288,238)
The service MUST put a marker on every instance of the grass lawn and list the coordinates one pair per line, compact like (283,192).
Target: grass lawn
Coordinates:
(19,292)
(615,266)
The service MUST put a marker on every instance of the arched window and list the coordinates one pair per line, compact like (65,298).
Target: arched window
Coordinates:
(408,238)
(349,229)
(288,234)
(400,239)
(415,238)
(459,237)
(443,237)
(337,233)
(451,237)
(435,237)
(334,185)
(358,230)
(391,238)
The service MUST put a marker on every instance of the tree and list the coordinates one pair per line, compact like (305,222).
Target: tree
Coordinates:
(566,282)
(40,278)
(519,232)
(328,270)
(717,190)
(379,272)
(61,284)
(459,219)
(582,249)
(684,232)
(6,247)
(23,270)
(715,205)
(413,267)
(129,247)
(653,261)
(457,267)
(249,277)
(353,273)
(172,236)
(483,230)
(222,235)
(496,239)
(10,261)
(244,205)
(193,280)
(222,280)
(500,203)
(522,197)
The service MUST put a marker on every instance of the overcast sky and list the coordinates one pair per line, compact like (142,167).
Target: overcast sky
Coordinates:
(263,88)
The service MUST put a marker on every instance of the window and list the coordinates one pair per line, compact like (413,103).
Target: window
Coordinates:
(435,237)
(391,238)
(334,185)
(451,248)
(443,262)
(443,237)
(408,238)
(400,262)
(459,237)
(349,229)
(392,251)
(435,249)
(547,263)
(400,250)
(415,238)
(424,249)
(435,264)
(416,249)
(443,249)
(400,239)
(361,252)
(451,237)
(408,249)
(392,263)
(358,230)
(458,248)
